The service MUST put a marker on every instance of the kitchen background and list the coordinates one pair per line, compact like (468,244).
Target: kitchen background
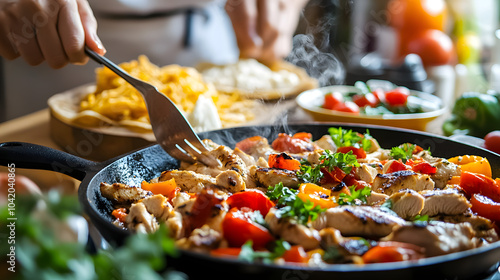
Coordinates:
(342,41)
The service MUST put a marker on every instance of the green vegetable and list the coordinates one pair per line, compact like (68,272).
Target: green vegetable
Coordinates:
(474,114)
(329,161)
(403,152)
(40,254)
(345,138)
(249,255)
(290,206)
(355,197)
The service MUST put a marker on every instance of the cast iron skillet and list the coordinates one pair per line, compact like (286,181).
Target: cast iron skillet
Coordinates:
(149,162)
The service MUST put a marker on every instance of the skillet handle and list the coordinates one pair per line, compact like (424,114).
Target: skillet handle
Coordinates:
(32,156)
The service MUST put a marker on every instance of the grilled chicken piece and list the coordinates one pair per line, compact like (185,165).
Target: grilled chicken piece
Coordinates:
(448,202)
(313,157)
(272,176)
(365,172)
(188,181)
(230,181)
(394,182)
(292,232)
(122,194)
(140,220)
(438,238)
(201,240)
(363,221)
(326,143)
(158,206)
(483,228)
(407,203)
(376,198)
(246,158)
(175,225)
(445,169)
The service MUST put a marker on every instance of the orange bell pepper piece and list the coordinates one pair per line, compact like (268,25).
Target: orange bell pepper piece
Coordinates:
(283,161)
(167,188)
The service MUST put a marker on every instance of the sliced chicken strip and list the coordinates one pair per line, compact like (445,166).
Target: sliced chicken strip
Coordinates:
(293,232)
(407,203)
(438,238)
(365,221)
(271,176)
(123,194)
(139,218)
(188,181)
(394,182)
(326,143)
(158,206)
(231,181)
(448,202)
(365,172)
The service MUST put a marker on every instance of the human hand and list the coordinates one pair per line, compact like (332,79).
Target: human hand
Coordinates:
(55,31)
(264,28)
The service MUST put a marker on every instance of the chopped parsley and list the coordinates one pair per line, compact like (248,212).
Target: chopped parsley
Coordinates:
(345,138)
(403,152)
(355,197)
(290,206)
(249,255)
(329,161)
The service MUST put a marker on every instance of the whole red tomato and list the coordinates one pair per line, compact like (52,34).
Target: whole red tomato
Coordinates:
(433,46)
(492,141)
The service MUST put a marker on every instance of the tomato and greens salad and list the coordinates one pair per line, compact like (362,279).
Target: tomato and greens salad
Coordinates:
(376,101)
(334,200)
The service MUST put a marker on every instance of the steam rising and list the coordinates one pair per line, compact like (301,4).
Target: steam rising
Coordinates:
(323,66)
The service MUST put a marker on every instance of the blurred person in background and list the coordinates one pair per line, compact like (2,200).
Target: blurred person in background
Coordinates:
(49,34)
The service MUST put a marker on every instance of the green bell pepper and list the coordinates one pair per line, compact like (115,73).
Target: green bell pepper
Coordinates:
(474,114)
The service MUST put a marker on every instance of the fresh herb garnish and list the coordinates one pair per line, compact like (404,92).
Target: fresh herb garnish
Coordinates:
(403,152)
(420,219)
(249,255)
(290,206)
(355,197)
(345,138)
(329,161)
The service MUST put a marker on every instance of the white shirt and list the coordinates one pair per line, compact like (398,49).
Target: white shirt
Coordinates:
(127,31)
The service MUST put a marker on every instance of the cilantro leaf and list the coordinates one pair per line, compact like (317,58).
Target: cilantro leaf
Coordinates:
(403,152)
(355,197)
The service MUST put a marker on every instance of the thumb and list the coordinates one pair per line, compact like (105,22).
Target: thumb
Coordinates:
(90,26)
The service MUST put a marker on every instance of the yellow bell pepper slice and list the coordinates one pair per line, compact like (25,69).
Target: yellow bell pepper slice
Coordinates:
(318,195)
(474,164)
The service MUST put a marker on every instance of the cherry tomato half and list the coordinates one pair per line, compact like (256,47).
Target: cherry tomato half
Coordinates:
(492,141)
(238,227)
(485,207)
(251,198)
(332,99)
(348,107)
(363,100)
(397,96)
